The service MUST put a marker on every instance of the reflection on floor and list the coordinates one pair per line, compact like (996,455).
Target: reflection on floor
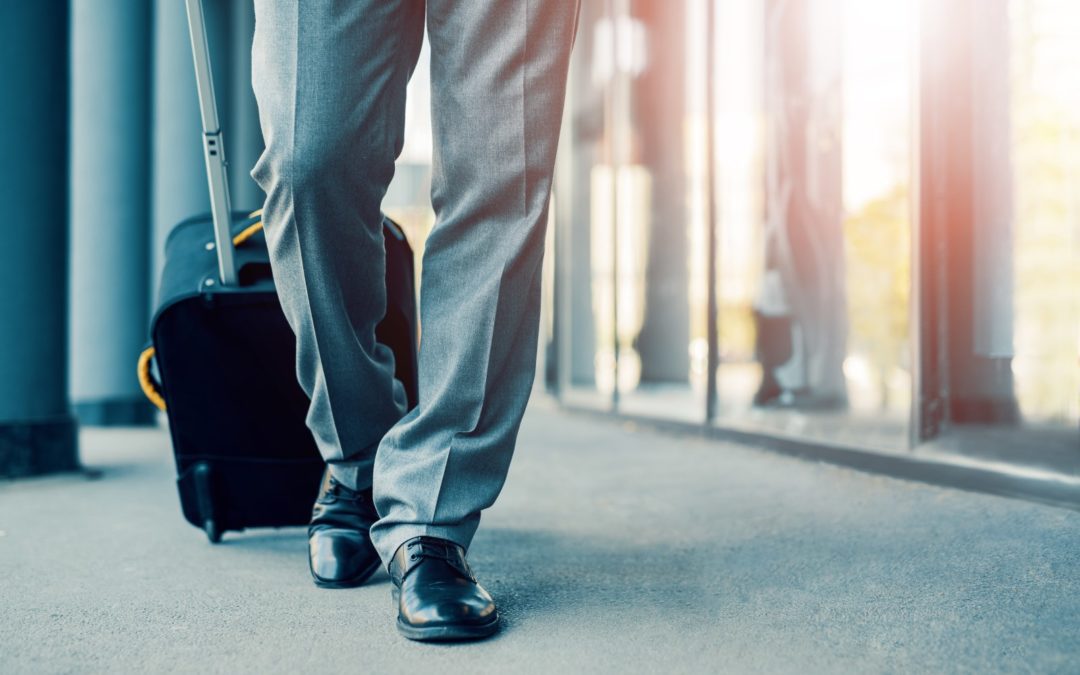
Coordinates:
(880,432)
(1041,447)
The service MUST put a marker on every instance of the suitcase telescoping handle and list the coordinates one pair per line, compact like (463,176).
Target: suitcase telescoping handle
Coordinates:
(213,147)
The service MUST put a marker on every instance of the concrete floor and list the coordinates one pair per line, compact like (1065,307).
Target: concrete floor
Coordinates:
(613,549)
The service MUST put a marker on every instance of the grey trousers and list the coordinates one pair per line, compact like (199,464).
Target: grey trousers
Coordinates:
(330,79)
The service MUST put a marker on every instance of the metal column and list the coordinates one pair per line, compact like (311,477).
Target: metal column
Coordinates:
(964,239)
(577,347)
(659,109)
(110,208)
(37,430)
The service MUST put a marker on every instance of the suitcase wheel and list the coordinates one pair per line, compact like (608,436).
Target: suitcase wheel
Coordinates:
(212,531)
(206,502)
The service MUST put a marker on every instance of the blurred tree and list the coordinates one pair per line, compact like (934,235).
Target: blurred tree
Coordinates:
(878,258)
(1046,147)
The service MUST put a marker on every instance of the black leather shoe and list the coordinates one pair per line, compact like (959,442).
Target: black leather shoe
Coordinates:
(436,593)
(340,552)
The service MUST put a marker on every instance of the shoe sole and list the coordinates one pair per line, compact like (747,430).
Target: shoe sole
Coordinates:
(452,633)
(358,580)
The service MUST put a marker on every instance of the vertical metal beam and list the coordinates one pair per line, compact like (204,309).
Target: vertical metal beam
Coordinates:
(659,101)
(110,208)
(964,335)
(712,301)
(929,391)
(981,325)
(612,127)
(563,306)
(586,128)
(37,430)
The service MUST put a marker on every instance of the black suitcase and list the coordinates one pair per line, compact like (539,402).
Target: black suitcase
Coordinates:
(224,357)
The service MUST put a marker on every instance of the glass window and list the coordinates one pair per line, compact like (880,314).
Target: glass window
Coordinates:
(813,130)
(897,239)
(625,228)
(1003,137)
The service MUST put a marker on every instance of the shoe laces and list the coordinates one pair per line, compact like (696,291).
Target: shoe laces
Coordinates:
(422,548)
(426,547)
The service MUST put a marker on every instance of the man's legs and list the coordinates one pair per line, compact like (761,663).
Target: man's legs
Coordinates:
(330,80)
(498,74)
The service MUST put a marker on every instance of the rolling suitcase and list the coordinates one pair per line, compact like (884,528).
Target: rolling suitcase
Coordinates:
(221,358)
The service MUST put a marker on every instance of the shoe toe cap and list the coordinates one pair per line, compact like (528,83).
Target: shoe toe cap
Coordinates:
(453,605)
(341,555)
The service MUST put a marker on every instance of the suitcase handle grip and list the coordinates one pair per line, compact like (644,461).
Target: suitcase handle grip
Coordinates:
(150,388)
(213,144)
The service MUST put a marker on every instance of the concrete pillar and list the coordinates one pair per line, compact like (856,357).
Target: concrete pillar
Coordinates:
(110,208)
(659,103)
(37,430)
(586,127)
(964,243)
(982,387)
